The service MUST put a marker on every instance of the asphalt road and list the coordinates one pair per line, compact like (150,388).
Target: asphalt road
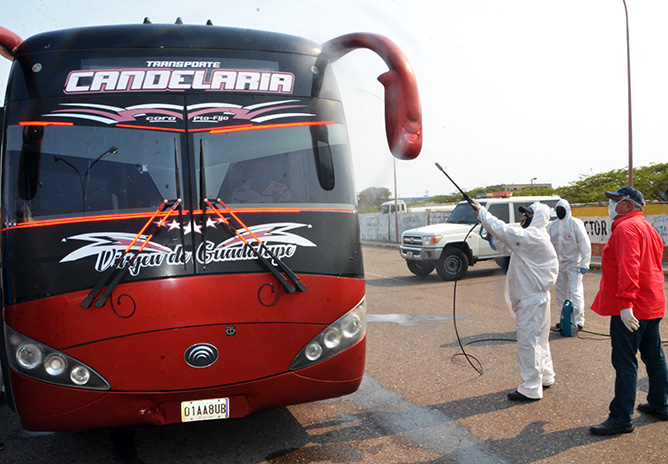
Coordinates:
(420,401)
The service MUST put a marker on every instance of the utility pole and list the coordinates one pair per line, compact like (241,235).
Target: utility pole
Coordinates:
(628,79)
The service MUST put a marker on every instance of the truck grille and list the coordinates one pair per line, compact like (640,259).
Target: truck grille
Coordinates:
(412,240)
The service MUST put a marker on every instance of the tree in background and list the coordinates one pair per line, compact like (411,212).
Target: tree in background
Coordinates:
(370,199)
(651,180)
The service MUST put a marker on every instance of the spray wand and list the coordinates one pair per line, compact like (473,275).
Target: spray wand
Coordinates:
(466,197)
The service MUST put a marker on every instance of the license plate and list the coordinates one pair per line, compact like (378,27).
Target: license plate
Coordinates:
(217,408)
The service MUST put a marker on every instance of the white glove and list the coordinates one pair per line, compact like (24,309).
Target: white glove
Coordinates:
(475,205)
(629,319)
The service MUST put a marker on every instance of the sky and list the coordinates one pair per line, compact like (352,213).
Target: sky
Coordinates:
(511,90)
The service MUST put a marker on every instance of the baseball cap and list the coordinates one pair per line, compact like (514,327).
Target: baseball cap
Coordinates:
(627,193)
(526,209)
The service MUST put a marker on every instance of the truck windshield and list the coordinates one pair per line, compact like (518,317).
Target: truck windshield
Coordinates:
(463,214)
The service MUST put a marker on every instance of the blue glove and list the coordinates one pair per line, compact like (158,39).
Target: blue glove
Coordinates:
(583,270)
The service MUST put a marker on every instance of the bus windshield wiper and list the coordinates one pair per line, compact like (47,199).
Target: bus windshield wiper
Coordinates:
(275,266)
(281,265)
(179,197)
(115,273)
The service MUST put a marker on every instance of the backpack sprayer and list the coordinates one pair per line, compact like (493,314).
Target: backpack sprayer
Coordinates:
(567,325)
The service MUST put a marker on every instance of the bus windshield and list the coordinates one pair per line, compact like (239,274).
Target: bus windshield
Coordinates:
(276,166)
(55,171)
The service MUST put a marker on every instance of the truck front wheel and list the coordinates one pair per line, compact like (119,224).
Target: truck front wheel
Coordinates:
(452,265)
(420,268)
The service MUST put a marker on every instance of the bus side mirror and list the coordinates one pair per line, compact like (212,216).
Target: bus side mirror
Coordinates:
(403,129)
(324,164)
(29,162)
(403,115)
(9,43)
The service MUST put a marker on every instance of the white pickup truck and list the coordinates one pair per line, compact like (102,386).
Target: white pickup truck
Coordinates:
(453,246)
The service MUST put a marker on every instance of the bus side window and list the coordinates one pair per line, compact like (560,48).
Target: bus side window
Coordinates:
(29,162)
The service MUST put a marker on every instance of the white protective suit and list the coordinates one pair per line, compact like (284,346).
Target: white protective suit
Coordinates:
(532,273)
(573,247)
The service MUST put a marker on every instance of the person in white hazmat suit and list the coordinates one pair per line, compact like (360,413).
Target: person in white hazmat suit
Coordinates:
(531,274)
(573,248)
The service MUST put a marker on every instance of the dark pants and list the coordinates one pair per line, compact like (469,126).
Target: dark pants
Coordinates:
(625,345)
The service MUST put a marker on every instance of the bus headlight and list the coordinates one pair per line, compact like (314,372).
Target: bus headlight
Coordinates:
(332,338)
(29,356)
(343,333)
(55,364)
(313,351)
(41,362)
(80,375)
(351,327)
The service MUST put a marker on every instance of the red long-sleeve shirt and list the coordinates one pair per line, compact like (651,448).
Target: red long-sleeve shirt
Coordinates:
(632,272)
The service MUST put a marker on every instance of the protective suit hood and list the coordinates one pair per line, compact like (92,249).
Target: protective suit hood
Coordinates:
(566,205)
(571,241)
(541,215)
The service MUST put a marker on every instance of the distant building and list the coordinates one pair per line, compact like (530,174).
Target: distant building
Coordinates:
(411,199)
(519,187)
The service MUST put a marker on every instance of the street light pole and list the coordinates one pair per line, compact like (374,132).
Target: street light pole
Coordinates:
(628,79)
(532,182)
(396,201)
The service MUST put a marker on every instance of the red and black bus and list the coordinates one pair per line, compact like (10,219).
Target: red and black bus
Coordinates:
(180,238)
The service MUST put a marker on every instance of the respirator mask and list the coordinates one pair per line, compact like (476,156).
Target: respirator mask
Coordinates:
(612,206)
(525,220)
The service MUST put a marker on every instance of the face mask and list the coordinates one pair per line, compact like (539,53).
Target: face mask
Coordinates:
(561,213)
(525,221)
(612,206)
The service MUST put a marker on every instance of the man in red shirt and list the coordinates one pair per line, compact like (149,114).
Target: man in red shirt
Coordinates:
(631,292)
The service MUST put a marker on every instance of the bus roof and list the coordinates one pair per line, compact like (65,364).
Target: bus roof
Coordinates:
(167,36)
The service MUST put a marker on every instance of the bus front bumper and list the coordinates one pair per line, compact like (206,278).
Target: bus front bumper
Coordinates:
(45,407)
